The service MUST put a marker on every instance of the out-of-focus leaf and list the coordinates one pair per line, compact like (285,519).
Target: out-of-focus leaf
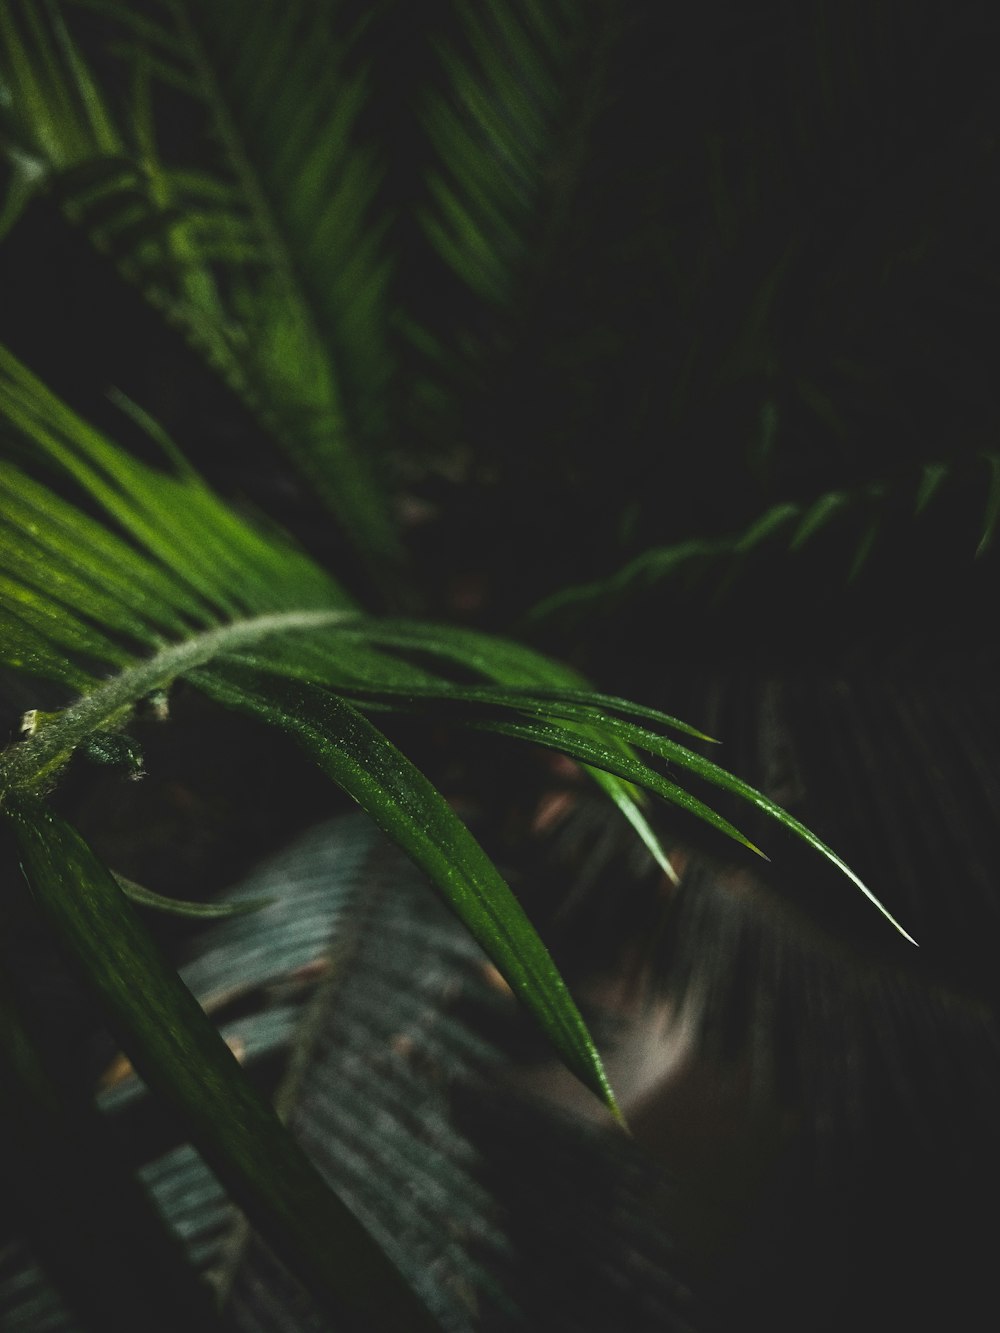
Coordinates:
(816,517)
(785,527)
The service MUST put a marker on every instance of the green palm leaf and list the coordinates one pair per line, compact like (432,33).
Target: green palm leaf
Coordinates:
(188,584)
(223,584)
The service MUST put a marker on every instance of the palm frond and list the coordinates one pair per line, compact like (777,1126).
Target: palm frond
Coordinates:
(213,579)
(189,590)
(185,577)
(851,520)
(266,252)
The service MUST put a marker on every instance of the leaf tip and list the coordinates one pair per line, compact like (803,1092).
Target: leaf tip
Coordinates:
(617,1114)
(704,736)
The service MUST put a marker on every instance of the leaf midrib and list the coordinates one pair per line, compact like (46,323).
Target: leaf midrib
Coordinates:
(29,761)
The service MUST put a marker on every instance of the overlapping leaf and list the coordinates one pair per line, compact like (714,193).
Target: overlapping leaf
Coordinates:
(187,584)
(215,585)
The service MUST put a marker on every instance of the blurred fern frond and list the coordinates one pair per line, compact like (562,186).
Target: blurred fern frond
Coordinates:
(852,521)
(267,253)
